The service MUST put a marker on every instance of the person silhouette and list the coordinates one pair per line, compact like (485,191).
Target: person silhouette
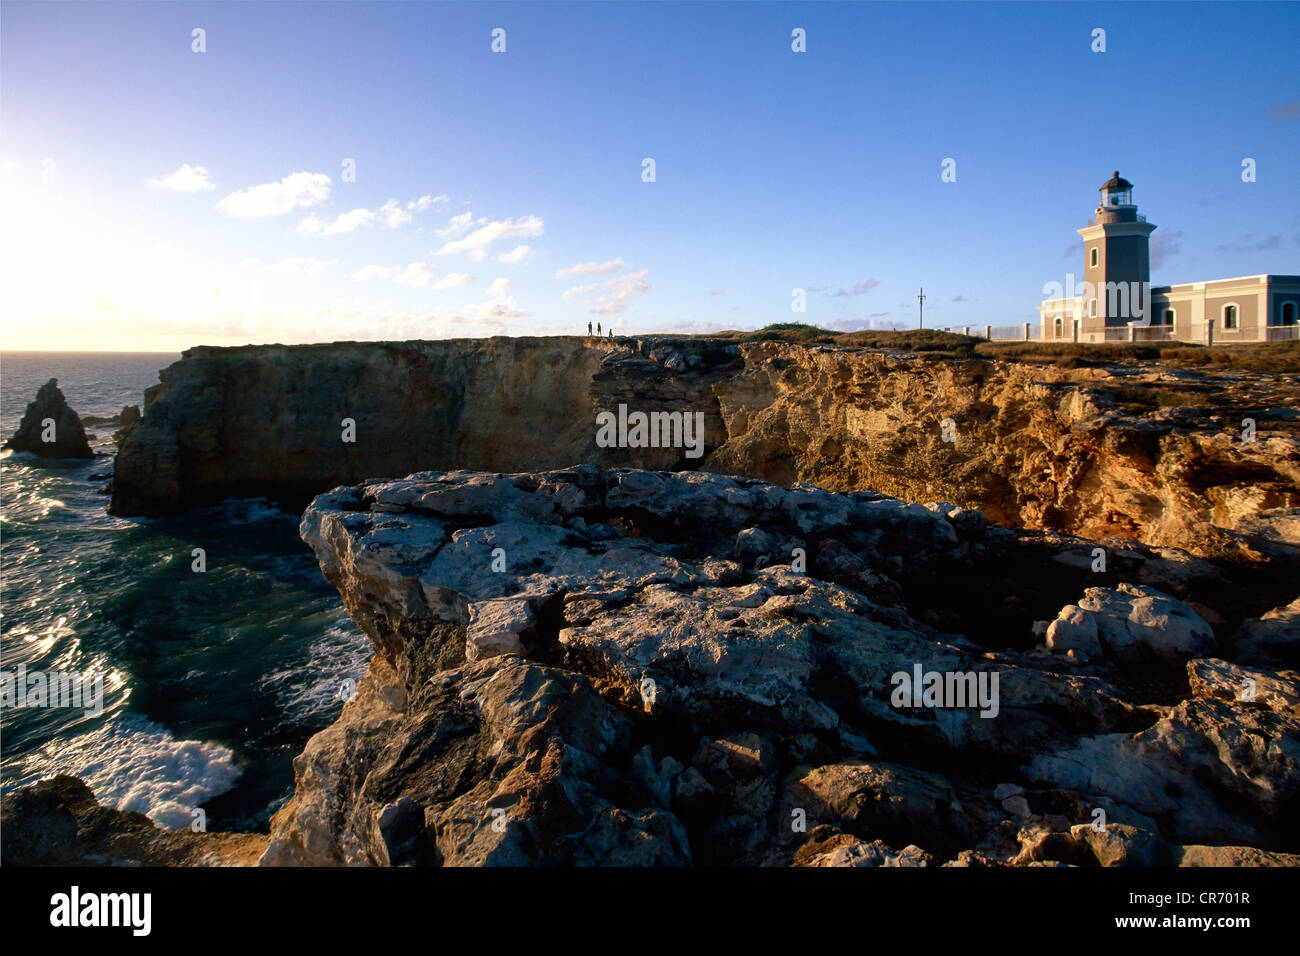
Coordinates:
(598,328)
(611,333)
(588,328)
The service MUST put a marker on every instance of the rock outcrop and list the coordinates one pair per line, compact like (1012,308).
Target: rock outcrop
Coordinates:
(124,421)
(1149,453)
(50,428)
(653,668)
(1130,623)
(58,822)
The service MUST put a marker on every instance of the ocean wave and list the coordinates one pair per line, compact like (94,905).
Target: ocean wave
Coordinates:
(135,764)
(310,692)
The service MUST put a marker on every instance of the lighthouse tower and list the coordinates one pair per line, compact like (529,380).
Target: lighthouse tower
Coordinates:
(1117,261)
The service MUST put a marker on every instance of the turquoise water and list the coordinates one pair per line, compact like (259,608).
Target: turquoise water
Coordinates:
(212,681)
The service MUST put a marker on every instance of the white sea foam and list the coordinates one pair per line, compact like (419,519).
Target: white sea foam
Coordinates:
(309,691)
(135,764)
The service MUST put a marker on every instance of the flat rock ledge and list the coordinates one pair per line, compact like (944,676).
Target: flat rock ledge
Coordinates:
(629,667)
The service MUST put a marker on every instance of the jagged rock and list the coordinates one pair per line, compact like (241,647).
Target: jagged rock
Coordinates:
(125,420)
(49,416)
(58,822)
(1192,770)
(1232,856)
(499,762)
(496,627)
(845,850)
(1117,844)
(1271,639)
(888,800)
(1277,690)
(604,664)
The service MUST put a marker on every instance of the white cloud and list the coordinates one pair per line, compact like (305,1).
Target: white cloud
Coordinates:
(619,290)
(517,254)
(452,280)
(417,274)
(859,288)
(393,215)
(476,242)
(499,286)
(578,290)
(187,179)
(457,225)
(501,309)
(345,223)
(311,267)
(591,269)
(485,318)
(426,202)
(295,191)
(373,272)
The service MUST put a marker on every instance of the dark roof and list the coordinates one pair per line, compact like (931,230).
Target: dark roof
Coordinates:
(1116,182)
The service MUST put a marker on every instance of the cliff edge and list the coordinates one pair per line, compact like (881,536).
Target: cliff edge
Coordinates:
(1205,461)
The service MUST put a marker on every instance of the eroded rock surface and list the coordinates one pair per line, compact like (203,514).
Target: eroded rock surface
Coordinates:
(673,668)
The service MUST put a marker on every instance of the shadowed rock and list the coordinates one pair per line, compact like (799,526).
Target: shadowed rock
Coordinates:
(49,417)
(58,822)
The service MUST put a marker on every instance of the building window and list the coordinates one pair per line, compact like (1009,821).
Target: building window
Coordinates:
(1094,258)
(1059,327)
(1167,317)
(1092,308)
(1288,313)
(1229,316)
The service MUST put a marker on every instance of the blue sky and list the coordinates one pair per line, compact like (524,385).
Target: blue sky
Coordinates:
(489,185)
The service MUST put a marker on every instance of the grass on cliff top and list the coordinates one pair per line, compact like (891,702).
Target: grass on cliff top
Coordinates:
(912,340)
(1258,357)
(1261,357)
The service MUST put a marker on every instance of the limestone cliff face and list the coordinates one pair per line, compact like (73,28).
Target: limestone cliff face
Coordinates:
(1147,453)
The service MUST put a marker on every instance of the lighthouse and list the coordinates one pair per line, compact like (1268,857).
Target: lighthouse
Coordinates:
(1116,303)
(1117,261)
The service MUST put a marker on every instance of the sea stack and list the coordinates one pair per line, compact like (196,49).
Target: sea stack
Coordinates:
(50,428)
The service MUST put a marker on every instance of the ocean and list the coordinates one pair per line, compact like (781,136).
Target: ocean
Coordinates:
(212,681)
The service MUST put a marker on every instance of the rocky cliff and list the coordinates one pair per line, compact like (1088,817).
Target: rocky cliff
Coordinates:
(636,667)
(1206,461)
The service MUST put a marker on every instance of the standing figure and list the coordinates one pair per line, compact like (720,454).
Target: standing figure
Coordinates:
(598,328)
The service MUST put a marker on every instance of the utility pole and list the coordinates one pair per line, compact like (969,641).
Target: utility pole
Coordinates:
(920,301)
